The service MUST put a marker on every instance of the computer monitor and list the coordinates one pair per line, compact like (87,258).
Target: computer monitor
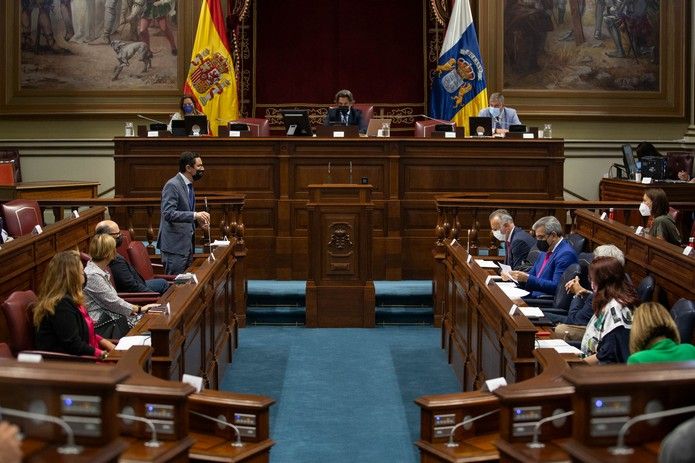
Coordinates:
(196,125)
(296,122)
(484,123)
(178,128)
(517,128)
(629,161)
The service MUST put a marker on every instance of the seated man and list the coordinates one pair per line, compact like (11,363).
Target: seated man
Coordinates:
(556,255)
(344,113)
(502,117)
(517,241)
(125,278)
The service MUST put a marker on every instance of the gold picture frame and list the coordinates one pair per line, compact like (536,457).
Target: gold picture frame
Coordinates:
(158,86)
(665,100)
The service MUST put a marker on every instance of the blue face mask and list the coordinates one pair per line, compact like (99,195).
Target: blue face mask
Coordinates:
(495,112)
(187,108)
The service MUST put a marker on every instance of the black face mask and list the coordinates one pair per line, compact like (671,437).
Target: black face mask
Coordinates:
(542,245)
(198,175)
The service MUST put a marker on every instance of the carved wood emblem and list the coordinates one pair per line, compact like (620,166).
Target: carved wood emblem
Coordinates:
(340,243)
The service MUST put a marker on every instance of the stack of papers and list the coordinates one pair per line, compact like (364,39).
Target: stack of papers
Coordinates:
(220,243)
(558,344)
(531,312)
(512,291)
(486,263)
(184,278)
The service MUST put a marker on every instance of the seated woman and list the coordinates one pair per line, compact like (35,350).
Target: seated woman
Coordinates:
(113,317)
(186,108)
(606,339)
(655,205)
(62,322)
(654,337)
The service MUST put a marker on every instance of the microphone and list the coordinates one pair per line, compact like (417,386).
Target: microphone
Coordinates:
(150,119)
(466,421)
(224,422)
(153,442)
(69,448)
(621,449)
(534,444)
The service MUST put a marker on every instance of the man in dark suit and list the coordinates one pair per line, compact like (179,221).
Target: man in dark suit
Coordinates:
(177,225)
(344,114)
(556,255)
(125,278)
(517,241)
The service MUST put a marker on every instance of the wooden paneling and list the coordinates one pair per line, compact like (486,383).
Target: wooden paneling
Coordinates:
(406,174)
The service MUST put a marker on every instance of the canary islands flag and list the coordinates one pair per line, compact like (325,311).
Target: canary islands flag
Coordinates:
(211,80)
(458,88)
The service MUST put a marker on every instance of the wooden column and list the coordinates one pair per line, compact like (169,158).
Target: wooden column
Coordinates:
(340,289)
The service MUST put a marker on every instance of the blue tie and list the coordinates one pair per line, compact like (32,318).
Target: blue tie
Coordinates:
(191,197)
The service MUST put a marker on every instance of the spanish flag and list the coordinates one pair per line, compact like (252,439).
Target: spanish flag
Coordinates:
(459,89)
(211,80)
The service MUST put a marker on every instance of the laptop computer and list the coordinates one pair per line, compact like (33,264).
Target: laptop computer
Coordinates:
(197,124)
(480,124)
(178,128)
(375,124)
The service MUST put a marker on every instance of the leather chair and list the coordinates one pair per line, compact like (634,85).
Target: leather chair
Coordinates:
(424,129)
(367,111)
(140,259)
(11,156)
(645,289)
(259,127)
(19,315)
(560,302)
(683,313)
(21,216)
(677,161)
(123,248)
(577,241)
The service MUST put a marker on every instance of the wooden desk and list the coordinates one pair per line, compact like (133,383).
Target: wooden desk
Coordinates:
(613,189)
(674,272)
(59,389)
(24,259)
(407,173)
(200,334)
(54,189)
(625,391)
(482,340)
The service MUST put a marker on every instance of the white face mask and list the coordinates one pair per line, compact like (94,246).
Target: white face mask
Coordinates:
(645,210)
(499,235)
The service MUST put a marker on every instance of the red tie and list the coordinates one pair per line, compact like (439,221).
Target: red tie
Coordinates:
(545,262)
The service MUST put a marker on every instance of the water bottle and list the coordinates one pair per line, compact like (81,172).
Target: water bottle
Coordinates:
(385,129)
(611,213)
(129,132)
(638,172)
(548,131)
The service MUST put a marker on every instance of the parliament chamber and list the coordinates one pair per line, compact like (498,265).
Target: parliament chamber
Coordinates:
(338,217)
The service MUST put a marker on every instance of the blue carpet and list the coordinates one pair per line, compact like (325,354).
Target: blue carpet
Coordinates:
(342,395)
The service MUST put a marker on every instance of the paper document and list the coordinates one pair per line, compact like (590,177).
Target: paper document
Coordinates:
(512,291)
(559,345)
(127,342)
(486,263)
(220,243)
(531,312)
(504,268)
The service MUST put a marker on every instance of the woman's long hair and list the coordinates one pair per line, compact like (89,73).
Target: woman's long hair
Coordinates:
(611,283)
(62,278)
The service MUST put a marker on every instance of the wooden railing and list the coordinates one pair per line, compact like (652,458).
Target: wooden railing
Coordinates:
(466,218)
(140,216)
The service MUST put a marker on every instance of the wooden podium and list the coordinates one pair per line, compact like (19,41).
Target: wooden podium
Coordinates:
(340,289)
